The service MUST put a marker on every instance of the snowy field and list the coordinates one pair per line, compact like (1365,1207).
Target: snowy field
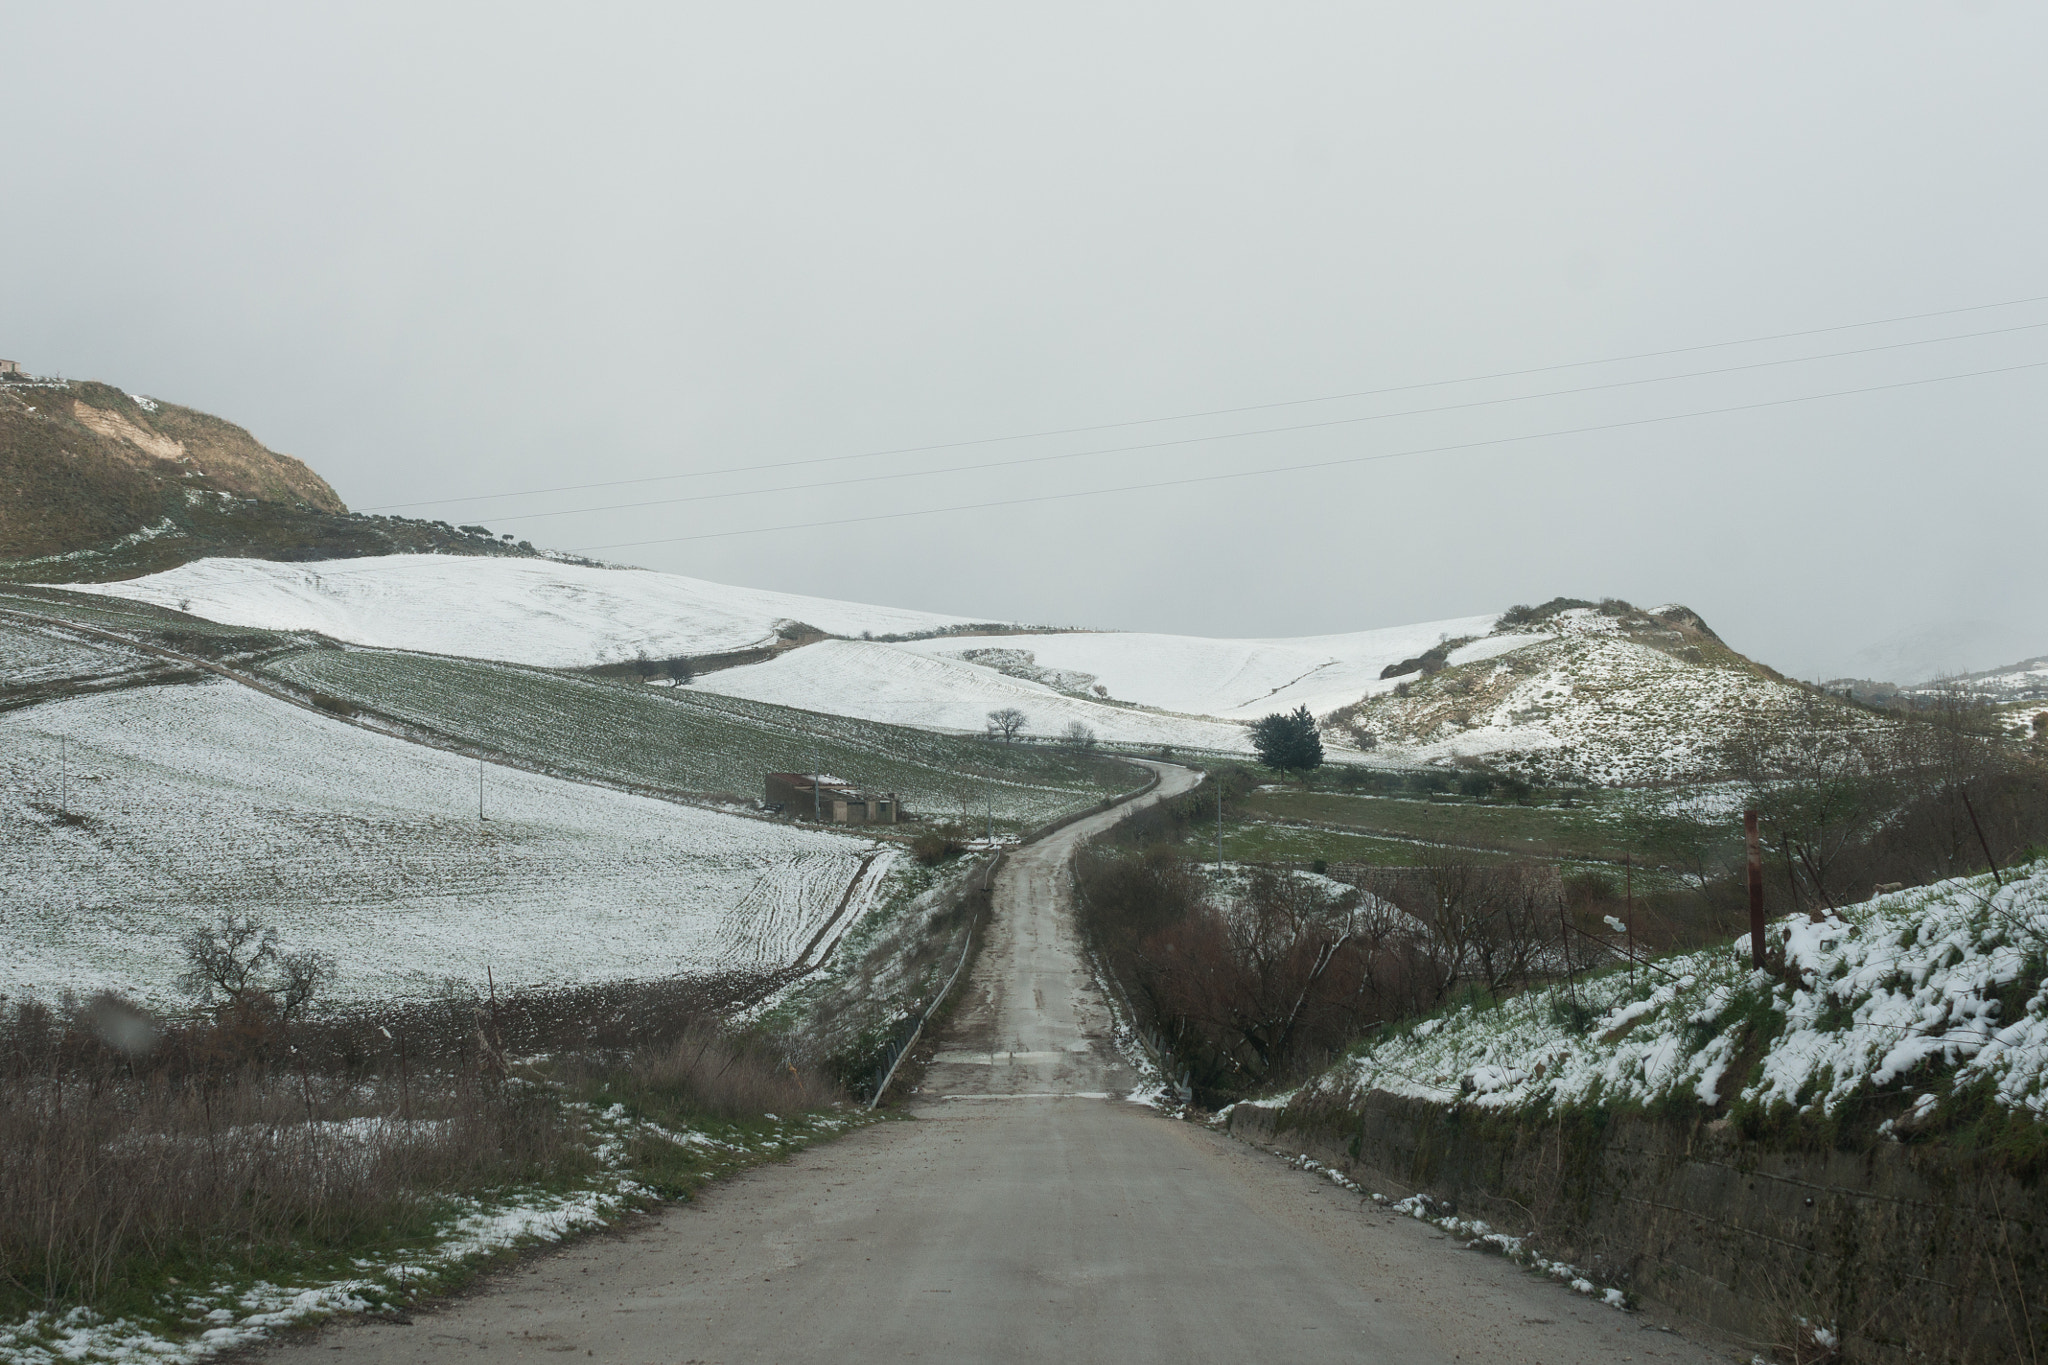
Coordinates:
(1574,697)
(904,687)
(687,740)
(33,654)
(206,799)
(531,611)
(1918,994)
(1230,679)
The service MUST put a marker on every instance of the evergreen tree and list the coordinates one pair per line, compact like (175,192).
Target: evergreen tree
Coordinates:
(1288,741)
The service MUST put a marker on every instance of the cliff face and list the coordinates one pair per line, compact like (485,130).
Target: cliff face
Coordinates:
(84,464)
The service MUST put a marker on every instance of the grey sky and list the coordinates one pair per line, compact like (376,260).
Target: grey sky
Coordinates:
(473,249)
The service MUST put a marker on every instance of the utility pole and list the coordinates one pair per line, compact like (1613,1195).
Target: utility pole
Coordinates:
(988,799)
(1219,827)
(1756,889)
(64,774)
(1628,874)
(479,790)
(817,781)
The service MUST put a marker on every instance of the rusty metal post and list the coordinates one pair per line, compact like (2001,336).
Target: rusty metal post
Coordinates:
(1756,889)
(1982,842)
(1628,874)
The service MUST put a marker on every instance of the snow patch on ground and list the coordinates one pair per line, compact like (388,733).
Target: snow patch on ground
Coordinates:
(531,611)
(194,801)
(197,1324)
(1229,679)
(902,686)
(1899,994)
(1476,1235)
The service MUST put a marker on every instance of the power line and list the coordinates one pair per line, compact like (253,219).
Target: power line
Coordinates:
(1261,431)
(1318,464)
(1220,412)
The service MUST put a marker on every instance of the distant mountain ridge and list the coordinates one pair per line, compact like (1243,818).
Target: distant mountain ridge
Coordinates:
(2024,681)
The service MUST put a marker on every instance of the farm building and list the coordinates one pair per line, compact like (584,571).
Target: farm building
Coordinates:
(824,797)
(11,367)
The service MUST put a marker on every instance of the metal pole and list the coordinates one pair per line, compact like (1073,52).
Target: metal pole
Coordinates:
(1982,842)
(1756,889)
(1219,827)
(817,781)
(1628,882)
(479,791)
(63,774)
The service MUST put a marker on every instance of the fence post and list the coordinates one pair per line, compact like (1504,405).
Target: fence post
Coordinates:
(1756,889)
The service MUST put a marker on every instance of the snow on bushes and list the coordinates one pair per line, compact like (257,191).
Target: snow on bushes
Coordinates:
(1918,993)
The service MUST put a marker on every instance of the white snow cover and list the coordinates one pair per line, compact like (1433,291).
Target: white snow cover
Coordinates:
(1579,700)
(1235,679)
(205,799)
(909,687)
(531,611)
(31,654)
(1898,993)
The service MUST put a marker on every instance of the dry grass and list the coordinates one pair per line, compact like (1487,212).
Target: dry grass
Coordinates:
(144,1155)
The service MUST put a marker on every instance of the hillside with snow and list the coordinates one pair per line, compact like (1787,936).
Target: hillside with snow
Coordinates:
(1569,692)
(902,686)
(526,611)
(1608,694)
(2024,681)
(1916,1000)
(136,815)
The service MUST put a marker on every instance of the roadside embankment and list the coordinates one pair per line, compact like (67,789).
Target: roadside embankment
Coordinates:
(1895,1251)
(1844,1153)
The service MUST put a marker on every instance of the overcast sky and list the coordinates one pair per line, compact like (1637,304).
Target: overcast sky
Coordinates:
(449,251)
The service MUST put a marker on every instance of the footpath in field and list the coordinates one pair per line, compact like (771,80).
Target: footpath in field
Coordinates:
(1025,1210)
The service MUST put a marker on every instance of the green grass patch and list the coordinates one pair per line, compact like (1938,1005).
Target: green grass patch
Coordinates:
(700,744)
(1538,831)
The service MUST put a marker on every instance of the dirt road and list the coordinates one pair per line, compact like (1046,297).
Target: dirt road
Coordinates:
(1019,1215)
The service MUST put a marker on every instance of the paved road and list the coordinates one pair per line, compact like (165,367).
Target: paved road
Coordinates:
(1020,1216)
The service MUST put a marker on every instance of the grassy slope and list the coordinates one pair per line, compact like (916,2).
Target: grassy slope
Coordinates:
(678,741)
(1536,831)
(1912,1011)
(696,743)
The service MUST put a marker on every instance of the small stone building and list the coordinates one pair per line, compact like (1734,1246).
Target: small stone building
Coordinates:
(11,367)
(820,796)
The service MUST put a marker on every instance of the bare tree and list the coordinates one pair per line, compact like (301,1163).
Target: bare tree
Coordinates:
(1079,735)
(1004,722)
(227,961)
(238,966)
(1489,923)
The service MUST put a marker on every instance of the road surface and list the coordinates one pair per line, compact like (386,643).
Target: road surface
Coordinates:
(1021,1216)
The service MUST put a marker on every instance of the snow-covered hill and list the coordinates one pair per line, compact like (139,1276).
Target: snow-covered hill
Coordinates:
(1604,694)
(189,802)
(1570,691)
(1608,694)
(530,611)
(2026,680)
(902,686)
(1229,679)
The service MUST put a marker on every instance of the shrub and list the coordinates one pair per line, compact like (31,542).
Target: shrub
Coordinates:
(937,844)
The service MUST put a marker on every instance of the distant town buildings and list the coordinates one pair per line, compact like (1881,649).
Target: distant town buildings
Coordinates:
(820,796)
